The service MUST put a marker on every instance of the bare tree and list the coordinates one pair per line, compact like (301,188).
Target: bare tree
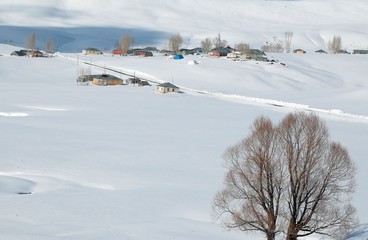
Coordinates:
(50,46)
(251,198)
(272,48)
(288,178)
(30,43)
(243,48)
(334,45)
(218,42)
(124,43)
(206,45)
(321,178)
(175,42)
(288,38)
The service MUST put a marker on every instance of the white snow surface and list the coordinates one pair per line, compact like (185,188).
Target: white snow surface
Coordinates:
(126,162)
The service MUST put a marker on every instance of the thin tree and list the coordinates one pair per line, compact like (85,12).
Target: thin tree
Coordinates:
(334,44)
(124,43)
(50,46)
(206,45)
(175,42)
(255,176)
(288,178)
(321,178)
(288,38)
(30,43)
(218,42)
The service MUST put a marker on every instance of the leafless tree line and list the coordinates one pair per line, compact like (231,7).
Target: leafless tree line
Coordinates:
(288,178)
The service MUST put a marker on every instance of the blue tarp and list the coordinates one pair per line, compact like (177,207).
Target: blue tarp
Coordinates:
(178,56)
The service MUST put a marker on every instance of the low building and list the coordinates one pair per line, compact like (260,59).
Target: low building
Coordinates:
(143,83)
(167,87)
(133,80)
(30,53)
(299,51)
(321,51)
(256,54)
(91,51)
(117,52)
(357,51)
(106,79)
(342,52)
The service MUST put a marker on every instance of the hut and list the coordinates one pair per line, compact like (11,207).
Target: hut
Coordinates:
(106,79)
(167,87)
(357,51)
(299,51)
(321,51)
(91,51)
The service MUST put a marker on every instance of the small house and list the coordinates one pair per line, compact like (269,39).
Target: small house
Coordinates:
(360,51)
(299,51)
(31,53)
(167,87)
(133,80)
(117,52)
(220,52)
(91,51)
(256,54)
(321,51)
(140,52)
(342,52)
(106,79)
(143,83)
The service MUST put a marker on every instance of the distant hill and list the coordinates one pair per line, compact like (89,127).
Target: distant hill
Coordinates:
(74,25)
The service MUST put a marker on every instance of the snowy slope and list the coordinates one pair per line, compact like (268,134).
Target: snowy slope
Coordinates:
(124,162)
(255,22)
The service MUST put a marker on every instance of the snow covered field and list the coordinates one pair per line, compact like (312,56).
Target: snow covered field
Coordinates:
(126,162)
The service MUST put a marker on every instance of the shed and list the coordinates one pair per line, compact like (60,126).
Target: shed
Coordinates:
(357,51)
(117,52)
(342,52)
(320,51)
(106,79)
(299,51)
(91,51)
(167,87)
(143,83)
(133,80)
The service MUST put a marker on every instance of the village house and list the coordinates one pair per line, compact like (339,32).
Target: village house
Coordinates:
(106,79)
(133,80)
(30,53)
(360,51)
(299,51)
(91,51)
(342,52)
(220,52)
(166,88)
(117,52)
(320,51)
(256,54)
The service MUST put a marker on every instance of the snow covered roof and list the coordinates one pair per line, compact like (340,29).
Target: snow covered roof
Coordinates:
(167,85)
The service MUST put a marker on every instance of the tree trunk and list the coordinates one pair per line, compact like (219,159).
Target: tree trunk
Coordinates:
(271,235)
(292,233)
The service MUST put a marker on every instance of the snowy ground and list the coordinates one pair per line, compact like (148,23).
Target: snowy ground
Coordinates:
(125,162)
